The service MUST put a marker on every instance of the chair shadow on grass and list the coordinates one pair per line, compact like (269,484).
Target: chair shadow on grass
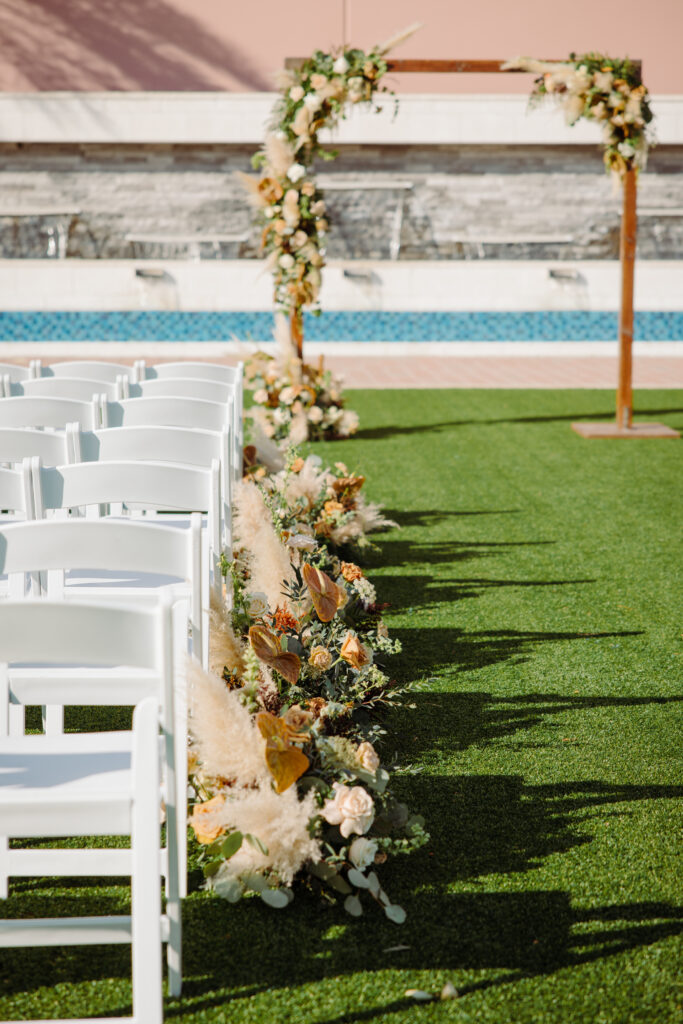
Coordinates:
(378,433)
(490,824)
(461,719)
(429,650)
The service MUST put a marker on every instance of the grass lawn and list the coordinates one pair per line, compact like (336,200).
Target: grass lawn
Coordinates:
(535,584)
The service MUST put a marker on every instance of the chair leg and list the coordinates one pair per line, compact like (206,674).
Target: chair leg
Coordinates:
(145,874)
(4,866)
(53,719)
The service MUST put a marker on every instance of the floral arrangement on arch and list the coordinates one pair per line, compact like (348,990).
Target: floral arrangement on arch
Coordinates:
(600,89)
(291,207)
(287,725)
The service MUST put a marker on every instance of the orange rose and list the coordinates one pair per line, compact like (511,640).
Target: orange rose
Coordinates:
(353,652)
(350,571)
(297,465)
(204,831)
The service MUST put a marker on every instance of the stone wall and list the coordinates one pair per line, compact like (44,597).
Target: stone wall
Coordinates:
(386,202)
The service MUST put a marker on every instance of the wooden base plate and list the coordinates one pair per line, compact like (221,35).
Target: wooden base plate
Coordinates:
(612,430)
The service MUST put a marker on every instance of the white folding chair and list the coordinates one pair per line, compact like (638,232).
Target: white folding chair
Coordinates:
(16,493)
(161,444)
(19,443)
(82,785)
(155,554)
(14,371)
(189,368)
(39,411)
(229,393)
(93,369)
(80,388)
(154,486)
(90,783)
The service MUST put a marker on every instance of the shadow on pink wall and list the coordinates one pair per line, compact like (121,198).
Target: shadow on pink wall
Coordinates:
(117,45)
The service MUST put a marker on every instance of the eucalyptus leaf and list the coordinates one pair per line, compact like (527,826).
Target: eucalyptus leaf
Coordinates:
(211,868)
(256,843)
(352,905)
(276,898)
(228,889)
(373,884)
(326,873)
(357,878)
(231,845)
(419,995)
(395,913)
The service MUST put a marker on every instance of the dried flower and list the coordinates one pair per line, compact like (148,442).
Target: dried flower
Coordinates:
(320,658)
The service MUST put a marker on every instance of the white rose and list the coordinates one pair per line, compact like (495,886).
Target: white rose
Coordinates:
(315,414)
(367,757)
(281,416)
(627,150)
(257,605)
(313,102)
(296,93)
(261,396)
(341,66)
(286,261)
(362,852)
(287,395)
(296,172)
(348,423)
(351,808)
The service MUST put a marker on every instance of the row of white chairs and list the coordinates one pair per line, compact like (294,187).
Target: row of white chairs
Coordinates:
(104,783)
(139,371)
(110,403)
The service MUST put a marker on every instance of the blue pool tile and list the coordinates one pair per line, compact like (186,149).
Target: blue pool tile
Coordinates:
(161,325)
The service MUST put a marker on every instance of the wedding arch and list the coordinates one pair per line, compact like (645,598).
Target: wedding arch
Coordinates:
(316,92)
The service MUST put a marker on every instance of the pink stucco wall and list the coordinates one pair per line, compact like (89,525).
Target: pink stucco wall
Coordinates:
(236,45)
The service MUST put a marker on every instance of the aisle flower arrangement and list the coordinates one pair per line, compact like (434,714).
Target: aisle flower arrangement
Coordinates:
(288,723)
(296,401)
(600,89)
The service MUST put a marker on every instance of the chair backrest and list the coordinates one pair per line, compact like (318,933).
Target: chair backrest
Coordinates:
(39,411)
(106,635)
(19,443)
(80,388)
(166,412)
(150,485)
(195,370)
(16,490)
(190,447)
(31,548)
(14,371)
(92,369)
(206,390)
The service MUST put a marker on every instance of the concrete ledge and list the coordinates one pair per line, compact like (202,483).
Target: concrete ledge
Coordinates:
(229,118)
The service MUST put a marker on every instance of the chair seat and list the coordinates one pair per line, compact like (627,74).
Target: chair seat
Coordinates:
(69,784)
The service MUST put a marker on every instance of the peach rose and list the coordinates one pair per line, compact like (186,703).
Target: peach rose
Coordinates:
(351,808)
(320,658)
(353,652)
(203,829)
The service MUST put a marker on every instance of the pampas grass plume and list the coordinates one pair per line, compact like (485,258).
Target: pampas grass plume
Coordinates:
(225,650)
(268,559)
(227,742)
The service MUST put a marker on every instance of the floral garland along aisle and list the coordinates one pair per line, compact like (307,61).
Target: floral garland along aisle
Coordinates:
(600,89)
(285,727)
(294,398)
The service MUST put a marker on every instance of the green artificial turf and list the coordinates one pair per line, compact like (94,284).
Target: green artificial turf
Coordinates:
(535,584)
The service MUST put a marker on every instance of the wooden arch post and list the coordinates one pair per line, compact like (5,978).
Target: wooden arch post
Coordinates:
(623,425)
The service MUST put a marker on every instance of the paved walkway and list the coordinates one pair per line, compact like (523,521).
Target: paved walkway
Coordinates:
(508,365)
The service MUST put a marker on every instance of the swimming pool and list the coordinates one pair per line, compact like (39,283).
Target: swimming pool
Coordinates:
(370,326)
